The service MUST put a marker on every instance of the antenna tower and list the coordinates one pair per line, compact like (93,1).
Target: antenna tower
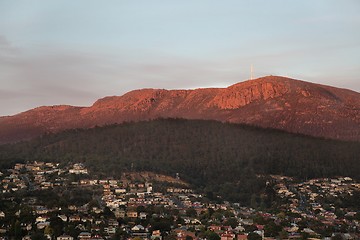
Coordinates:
(251,72)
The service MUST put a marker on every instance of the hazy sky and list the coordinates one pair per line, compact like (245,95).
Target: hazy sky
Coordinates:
(76,51)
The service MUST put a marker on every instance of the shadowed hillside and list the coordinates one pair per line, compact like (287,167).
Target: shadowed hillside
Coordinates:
(219,157)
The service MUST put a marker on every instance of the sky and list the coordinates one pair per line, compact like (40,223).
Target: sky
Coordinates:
(74,52)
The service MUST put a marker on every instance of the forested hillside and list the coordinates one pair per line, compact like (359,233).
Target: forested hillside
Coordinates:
(219,158)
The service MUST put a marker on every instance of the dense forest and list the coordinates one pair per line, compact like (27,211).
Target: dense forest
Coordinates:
(219,158)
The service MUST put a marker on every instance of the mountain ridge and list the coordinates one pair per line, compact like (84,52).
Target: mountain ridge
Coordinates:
(271,102)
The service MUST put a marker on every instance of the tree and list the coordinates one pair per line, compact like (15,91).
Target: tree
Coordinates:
(305,235)
(283,234)
(271,229)
(210,235)
(190,212)
(140,209)
(254,236)
(170,237)
(217,216)
(357,216)
(337,237)
(17,230)
(188,237)
(108,212)
(231,222)
(26,214)
(162,224)
(48,230)
(259,219)
(57,226)
(281,215)
(120,234)
(253,201)
(38,236)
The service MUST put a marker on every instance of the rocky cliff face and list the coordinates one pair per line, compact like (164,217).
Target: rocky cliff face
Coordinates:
(275,102)
(242,94)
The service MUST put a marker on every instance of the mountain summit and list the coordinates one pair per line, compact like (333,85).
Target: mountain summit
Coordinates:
(271,102)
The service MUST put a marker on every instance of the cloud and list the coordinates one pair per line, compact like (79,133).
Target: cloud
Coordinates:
(6,46)
(6,94)
(3,41)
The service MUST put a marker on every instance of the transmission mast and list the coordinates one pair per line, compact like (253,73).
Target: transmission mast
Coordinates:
(251,72)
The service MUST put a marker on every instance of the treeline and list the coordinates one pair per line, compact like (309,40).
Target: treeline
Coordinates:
(220,158)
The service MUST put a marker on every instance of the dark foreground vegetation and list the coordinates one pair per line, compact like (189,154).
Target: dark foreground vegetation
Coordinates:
(221,159)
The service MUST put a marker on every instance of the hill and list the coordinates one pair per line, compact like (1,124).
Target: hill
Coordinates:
(269,102)
(220,158)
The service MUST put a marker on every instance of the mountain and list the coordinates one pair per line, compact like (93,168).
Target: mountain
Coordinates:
(271,102)
(231,160)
